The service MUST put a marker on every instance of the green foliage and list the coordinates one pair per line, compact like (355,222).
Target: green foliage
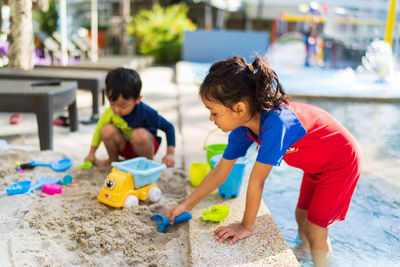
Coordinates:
(159,31)
(47,20)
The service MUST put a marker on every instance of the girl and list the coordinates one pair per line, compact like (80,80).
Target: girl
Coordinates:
(249,101)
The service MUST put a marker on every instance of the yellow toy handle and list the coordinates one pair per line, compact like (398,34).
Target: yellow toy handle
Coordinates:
(208,135)
(390,21)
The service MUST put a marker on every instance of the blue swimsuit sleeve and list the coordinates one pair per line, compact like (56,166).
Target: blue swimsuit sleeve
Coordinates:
(280,131)
(238,144)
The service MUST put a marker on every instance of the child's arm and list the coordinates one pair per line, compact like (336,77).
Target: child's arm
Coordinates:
(168,128)
(255,188)
(213,179)
(105,119)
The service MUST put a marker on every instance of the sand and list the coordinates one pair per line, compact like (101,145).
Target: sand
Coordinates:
(74,228)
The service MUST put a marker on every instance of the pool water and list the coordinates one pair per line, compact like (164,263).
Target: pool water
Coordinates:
(368,237)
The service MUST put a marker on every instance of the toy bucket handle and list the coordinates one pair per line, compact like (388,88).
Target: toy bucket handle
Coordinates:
(208,135)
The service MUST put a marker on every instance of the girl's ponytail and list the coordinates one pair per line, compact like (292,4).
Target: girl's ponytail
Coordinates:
(269,92)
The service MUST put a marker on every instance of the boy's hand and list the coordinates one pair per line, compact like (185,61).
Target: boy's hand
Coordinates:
(169,160)
(235,230)
(90,157)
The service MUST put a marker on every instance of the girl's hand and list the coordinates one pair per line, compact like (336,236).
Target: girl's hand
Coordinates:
(175,211)
(235,230)
(169,160)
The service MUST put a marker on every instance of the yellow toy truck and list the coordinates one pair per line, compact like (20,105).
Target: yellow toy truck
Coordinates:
(131,180)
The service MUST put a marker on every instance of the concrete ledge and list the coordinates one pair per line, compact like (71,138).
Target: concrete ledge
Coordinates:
(265,247)
(358,99)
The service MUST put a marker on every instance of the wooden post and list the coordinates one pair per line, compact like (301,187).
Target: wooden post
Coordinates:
(94,31)
(63,29)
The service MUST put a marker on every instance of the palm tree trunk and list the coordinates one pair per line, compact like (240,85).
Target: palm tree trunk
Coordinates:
(126,16)
(21,34)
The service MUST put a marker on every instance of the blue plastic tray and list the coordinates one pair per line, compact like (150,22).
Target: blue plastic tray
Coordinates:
(144,171)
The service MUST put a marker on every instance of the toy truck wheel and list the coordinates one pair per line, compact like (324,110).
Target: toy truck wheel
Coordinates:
(154,194)
(131,201)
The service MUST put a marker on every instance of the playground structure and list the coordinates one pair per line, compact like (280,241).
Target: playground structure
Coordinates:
(347,30)
(358,27)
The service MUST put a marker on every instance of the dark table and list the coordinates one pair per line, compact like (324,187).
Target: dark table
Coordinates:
(92,80)
(20,96)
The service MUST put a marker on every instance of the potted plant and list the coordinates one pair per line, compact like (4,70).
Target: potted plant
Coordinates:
(159,31)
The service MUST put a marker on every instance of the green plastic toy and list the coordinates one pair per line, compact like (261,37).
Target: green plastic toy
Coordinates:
(88,164)
(216,213)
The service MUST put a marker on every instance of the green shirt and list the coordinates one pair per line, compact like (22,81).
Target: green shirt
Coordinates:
(109,117)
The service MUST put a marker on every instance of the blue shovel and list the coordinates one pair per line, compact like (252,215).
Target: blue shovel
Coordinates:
(162,222)
(58,166)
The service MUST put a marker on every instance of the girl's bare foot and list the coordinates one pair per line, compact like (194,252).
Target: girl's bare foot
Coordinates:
(301,254)
(321,258)
(302,251)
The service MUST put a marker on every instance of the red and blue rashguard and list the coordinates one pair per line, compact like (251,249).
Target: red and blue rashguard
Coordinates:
(309,138)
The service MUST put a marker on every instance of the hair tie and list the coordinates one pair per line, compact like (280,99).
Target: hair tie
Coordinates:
(251,68)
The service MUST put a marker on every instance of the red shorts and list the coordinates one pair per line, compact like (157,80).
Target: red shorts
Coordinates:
(327,196)
(128,153)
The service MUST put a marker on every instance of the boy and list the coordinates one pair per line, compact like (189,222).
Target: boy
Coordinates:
(129,127)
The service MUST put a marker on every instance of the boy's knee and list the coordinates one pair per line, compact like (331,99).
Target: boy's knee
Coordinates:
(141,135)
(108,132)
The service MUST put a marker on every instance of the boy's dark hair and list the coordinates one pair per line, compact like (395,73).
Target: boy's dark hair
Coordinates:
(232,80)
(125,82)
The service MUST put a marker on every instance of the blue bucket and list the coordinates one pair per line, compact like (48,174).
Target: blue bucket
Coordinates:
(231,187)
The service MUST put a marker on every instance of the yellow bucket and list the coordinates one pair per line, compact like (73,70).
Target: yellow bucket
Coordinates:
(198,170)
